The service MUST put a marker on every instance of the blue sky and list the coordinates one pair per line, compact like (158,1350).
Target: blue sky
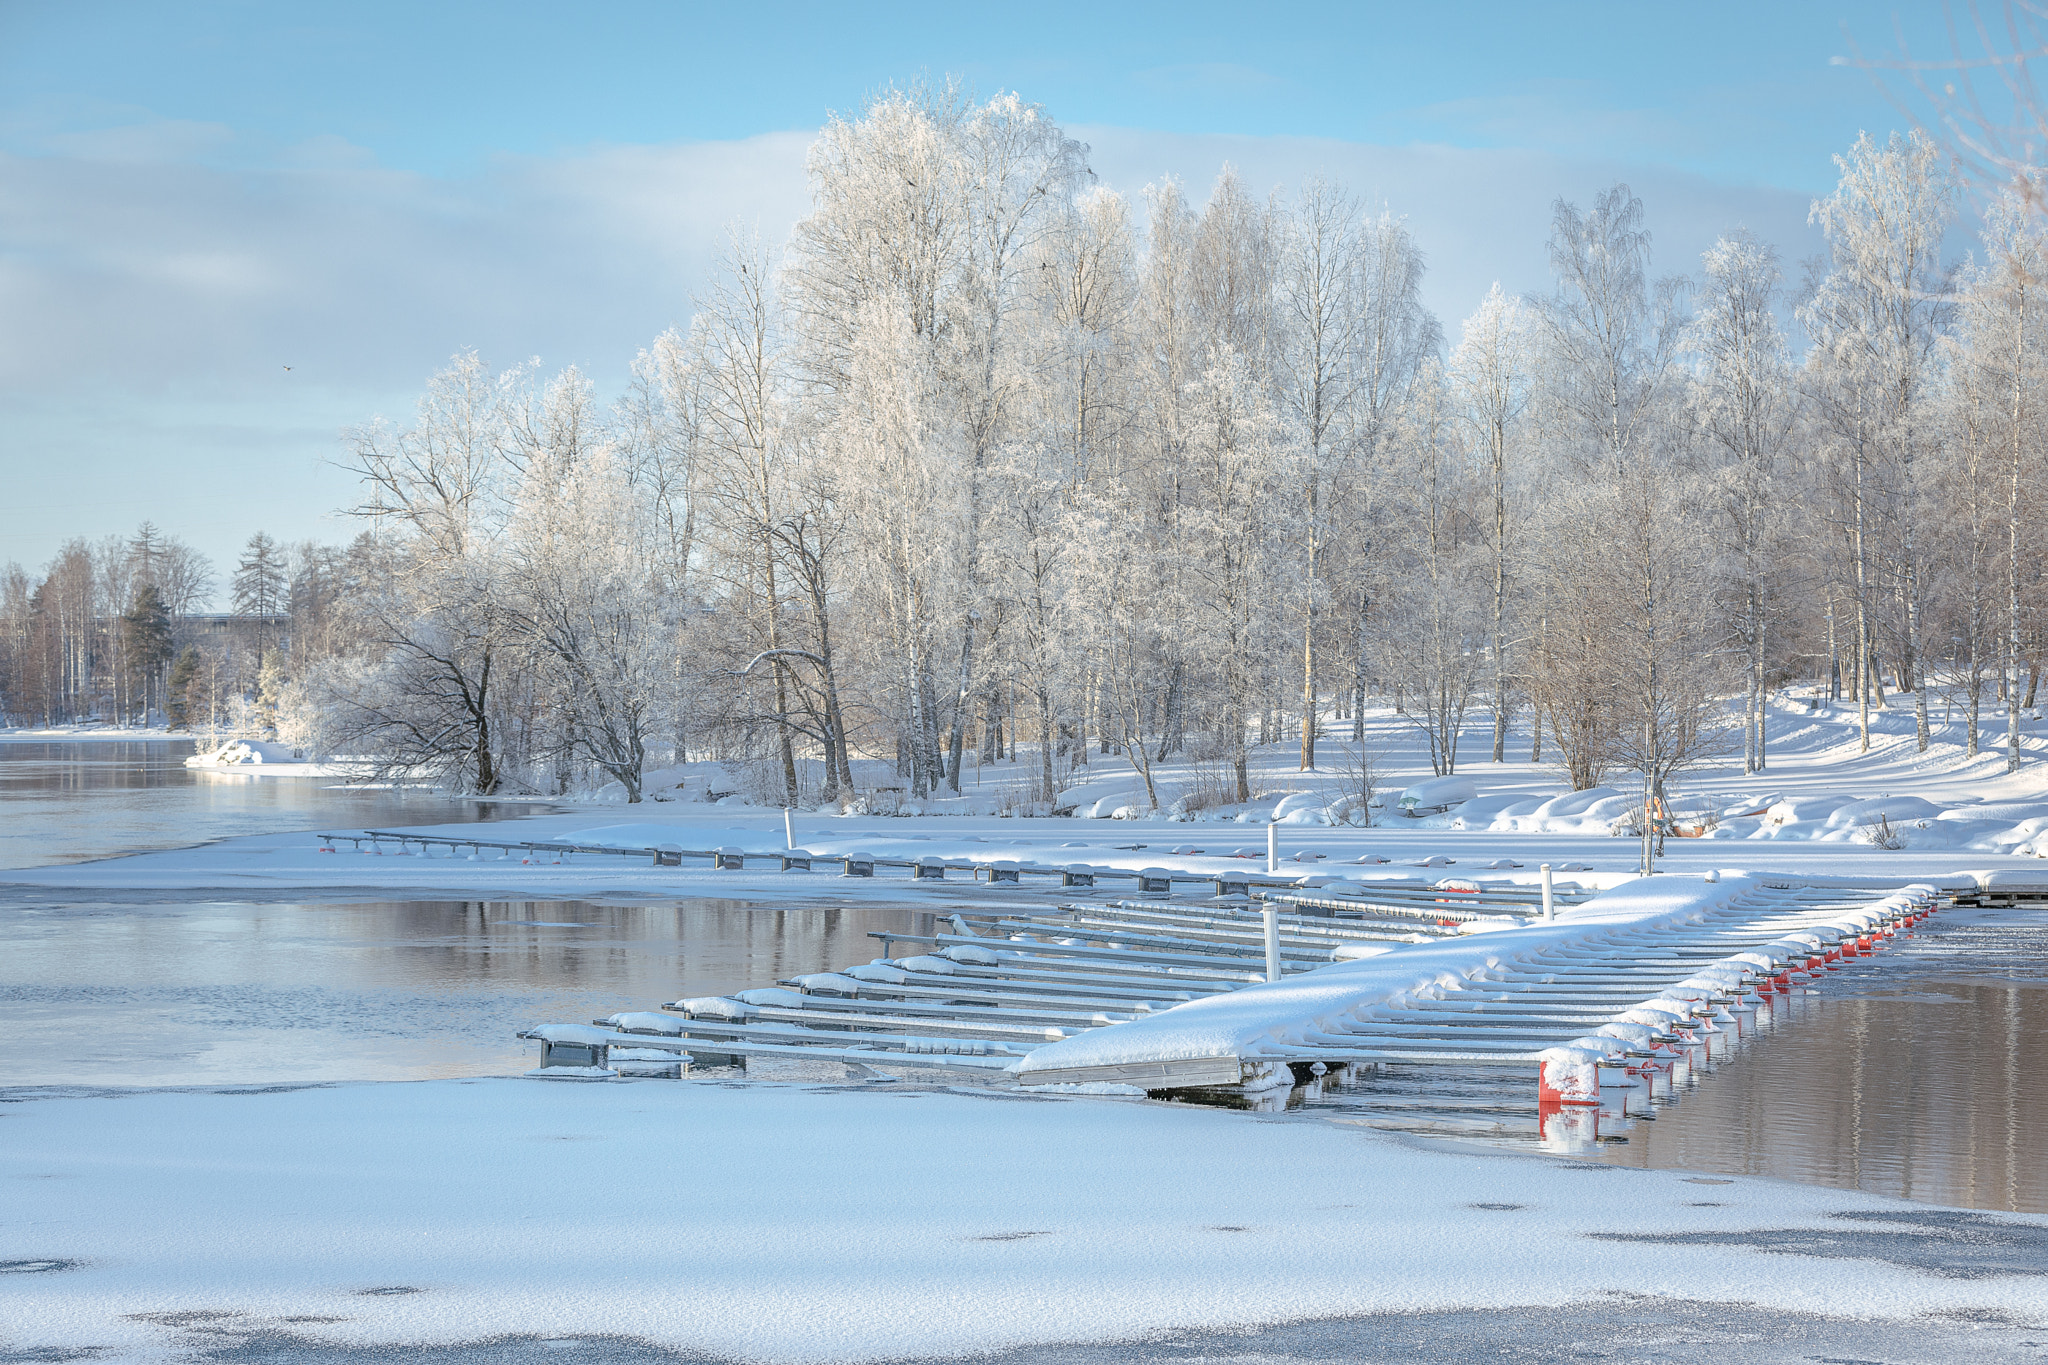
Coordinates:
(194,196)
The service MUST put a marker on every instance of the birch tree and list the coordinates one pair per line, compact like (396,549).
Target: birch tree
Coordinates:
(1875,322)
(1747,410)
(1491,372)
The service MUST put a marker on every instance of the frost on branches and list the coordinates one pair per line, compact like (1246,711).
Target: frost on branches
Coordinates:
(989,464)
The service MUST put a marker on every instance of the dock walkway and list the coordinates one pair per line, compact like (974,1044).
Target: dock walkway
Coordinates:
(1187,996)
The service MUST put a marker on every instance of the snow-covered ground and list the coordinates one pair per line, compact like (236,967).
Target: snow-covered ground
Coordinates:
(87,730)
(1815,772)
(787,1222)
(839,1220)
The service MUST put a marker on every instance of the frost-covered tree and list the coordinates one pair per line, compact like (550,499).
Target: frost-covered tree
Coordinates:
(1876,320)
(1746,406)
(262,580)
(1492,372)
(1433,634)
(1317,369)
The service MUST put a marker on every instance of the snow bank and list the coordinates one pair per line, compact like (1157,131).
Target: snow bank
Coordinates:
(1120,797)
(1592,811)
(262,758)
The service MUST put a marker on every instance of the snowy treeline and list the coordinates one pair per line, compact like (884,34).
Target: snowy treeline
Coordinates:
(94,634)
(991,461)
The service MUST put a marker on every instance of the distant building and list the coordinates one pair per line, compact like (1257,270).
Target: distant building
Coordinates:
(233,632)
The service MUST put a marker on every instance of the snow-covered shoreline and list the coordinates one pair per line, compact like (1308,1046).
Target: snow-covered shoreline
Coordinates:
(276,865)
(779,1221)
(90,732)
(834,1222)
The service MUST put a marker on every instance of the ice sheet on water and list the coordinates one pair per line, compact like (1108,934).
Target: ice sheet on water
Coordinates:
(508,1204)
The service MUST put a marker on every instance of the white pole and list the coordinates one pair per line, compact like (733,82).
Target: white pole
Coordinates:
(1549,905)
(1272,848)
(788,830)
(1272,942)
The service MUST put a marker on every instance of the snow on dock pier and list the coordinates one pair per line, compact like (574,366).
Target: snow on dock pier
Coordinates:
(1618,985)
(1597,1006)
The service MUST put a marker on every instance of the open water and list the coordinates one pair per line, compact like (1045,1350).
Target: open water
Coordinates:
(1917,1073)
(68,801)
(1920,1073)
(226,992)
(201,992)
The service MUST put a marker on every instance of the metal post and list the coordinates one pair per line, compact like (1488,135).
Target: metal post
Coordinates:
(1273,847)
(1549,905)
(1272,942)
(788,830)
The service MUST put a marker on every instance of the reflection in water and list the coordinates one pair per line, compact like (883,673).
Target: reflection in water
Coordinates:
(1915,1073)
(230,993)
(1930,1093)
(70,800)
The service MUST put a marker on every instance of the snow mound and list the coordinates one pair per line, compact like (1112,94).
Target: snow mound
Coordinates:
(1438,793)
(244,752)
(1121,797)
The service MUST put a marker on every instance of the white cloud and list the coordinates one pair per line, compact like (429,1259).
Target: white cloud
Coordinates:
(157,281)
(1481,214)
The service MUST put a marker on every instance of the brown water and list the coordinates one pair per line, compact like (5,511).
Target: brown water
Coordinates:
(1921,1074)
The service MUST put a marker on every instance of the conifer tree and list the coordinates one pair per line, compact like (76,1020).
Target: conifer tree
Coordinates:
(146,644)
(177,706)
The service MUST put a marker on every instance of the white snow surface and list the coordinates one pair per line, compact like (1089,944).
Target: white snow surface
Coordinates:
(86,730)
(1788,819)
(1244,1022)
(778,1223)
(261,758)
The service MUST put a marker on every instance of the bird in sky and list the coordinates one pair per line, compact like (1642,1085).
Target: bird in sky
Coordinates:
(287,367)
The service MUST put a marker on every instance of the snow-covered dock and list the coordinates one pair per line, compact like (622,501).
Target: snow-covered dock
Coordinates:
(1596,1005)
(1612,991)
(1236,881)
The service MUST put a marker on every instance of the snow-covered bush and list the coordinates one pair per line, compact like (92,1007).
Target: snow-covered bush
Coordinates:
(1349,810)
(1210,786)
(875,803)
(1019,800)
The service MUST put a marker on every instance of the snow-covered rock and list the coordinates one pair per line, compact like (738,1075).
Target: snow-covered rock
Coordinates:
(244,752)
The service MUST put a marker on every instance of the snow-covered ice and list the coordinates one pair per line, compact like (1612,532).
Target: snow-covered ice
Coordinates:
(790,1223)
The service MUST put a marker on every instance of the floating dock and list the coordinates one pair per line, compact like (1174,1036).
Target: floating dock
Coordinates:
(1595,1007)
